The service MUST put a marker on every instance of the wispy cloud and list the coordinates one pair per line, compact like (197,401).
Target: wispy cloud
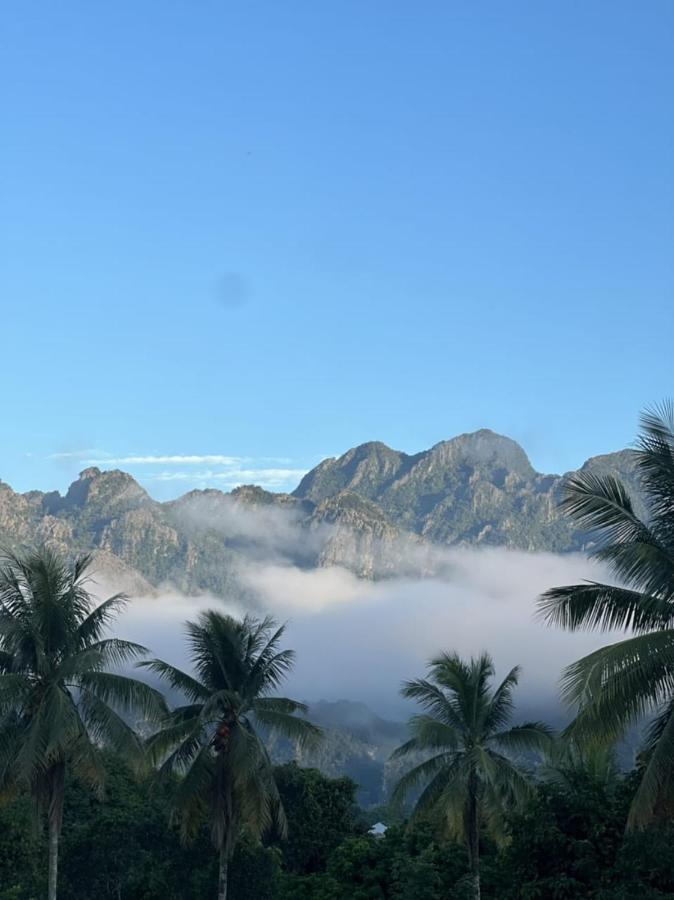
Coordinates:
(209,459)
(234,477)
(195,469)
(81,455)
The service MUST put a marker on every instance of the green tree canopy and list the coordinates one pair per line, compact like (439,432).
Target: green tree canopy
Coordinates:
(618,685)
(60,702)
(214,742)
(468,774)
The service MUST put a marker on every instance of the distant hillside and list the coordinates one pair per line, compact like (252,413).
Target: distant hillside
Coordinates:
(363,510)
(478,488)
(357,743)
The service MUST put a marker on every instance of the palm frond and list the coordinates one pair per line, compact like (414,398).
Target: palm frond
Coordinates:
(53,727)
(530,737)
(510,785)
(180,681)
(99,655)
(656,787)
(216,645)
(271,674)
(446,790)
(435,701)
(420,774)
(655,462)
(96,623)
(644,566)
(280,704)
(15,689)
(601,503)
(301,732)
(604,607)
(499,710)
(107,727)
(193,795)
(125,693)
(87,763)
(430,734)
(619,684)
(221,704)
(176,746)
(449,671)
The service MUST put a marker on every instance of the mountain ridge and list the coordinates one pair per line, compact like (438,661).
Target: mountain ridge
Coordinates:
(358,510)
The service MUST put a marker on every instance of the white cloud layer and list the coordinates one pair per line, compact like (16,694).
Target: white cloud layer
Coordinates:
(359,640)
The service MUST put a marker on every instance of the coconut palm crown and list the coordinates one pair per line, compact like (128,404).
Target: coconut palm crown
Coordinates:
(468,775)
(620,684)
(59,703)
(215,741)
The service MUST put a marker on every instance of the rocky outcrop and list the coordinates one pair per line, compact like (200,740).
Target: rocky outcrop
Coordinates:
(373,510)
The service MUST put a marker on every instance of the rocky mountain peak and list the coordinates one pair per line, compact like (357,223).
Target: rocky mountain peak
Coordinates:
(364,469)
(110,489)
(485,449)
(88,474)
(362,510)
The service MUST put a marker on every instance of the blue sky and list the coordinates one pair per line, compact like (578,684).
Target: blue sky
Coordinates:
(264,232)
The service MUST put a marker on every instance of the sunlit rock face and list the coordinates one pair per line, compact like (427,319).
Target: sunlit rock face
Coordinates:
(373,510)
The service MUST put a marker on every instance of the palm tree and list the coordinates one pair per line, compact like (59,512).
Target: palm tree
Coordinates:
(569,763)
(469,779)
(618,685)
(59,704)
(213,741)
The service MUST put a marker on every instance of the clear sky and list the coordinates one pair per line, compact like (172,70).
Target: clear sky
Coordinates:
(263,232)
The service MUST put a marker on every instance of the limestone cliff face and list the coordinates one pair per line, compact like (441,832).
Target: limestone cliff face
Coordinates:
(372,510)
(364,470)
(474,489)
(356,535)
(19,515)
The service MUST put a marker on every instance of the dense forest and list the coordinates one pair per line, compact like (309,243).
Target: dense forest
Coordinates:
(568,842)
(109,790)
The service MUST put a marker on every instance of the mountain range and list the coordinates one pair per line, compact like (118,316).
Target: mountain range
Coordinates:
(373,510)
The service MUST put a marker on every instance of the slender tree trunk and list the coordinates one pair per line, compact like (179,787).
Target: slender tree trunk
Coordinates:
(222,878)
(473,836)
(224,825)
(53,856)
(52,788)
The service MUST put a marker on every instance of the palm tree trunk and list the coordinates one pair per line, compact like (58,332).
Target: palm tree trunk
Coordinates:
(53,856)
(53,787)
(222,878)
(473,836)
(474,857)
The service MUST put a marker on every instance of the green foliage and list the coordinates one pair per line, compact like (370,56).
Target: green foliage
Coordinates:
(322,811)
(255,873)
(21,852)
(119,846)
(469,781)
(618,685)
(407,863)
(570,842)
(58,703)
(213,745)
(567,842)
